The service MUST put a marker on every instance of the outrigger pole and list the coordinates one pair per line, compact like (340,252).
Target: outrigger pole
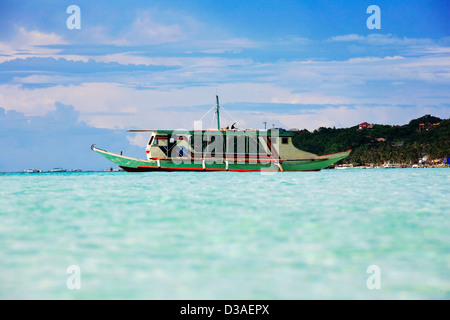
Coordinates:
(217,111)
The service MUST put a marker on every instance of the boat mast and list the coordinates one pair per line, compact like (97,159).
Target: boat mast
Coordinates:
(217,111)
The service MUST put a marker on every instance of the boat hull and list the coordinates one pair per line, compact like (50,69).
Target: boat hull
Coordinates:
(142,165)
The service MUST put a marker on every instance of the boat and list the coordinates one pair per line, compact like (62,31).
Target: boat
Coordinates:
(344,166)
(32,170)
(111,169)
(391,166)
(222,149)
(57,170)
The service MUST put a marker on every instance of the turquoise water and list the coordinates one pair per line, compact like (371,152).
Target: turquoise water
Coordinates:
(225,235)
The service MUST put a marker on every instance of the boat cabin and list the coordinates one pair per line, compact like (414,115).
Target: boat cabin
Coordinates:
(240,145)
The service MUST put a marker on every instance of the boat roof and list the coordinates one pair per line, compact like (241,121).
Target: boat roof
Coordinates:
(281,132)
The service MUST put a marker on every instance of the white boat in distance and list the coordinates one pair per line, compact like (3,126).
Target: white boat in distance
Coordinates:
(344,166)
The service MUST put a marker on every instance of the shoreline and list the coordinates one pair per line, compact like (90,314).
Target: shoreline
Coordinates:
(338,167)
(388,166)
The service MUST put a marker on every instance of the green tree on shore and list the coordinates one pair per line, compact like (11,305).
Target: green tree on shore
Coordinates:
(427,135)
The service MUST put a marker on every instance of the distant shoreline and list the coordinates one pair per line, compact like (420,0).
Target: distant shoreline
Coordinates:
(328,168)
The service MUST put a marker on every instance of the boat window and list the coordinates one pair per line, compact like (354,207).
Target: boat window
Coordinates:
(151,140)
(160,141)
(284,140)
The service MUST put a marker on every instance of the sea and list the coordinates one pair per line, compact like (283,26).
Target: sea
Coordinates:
(335,234)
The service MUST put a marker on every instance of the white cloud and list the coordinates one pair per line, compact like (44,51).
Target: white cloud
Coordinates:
(233,45)
(146,31)
(348,37)
(28,44)
(427,50)
(381,39)
(138,139)
(111,105)
(373,59)
(36,38)
(419,81)
(42,79)
(358,79)
(309,98)
(126,58)
(152,27)
(344,117)
(323,82)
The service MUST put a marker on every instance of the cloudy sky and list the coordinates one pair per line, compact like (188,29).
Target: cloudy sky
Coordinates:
(159,64)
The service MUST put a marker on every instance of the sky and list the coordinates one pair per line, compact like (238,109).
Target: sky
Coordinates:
(70,79)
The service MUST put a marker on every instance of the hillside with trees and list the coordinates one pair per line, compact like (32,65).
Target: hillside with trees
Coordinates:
(377,144)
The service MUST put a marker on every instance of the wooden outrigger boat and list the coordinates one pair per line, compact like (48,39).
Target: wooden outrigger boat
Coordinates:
(222,150)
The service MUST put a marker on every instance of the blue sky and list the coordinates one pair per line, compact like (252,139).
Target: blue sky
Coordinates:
(159,64)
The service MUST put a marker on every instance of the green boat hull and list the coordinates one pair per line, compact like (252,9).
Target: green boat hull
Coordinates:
(142,165)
